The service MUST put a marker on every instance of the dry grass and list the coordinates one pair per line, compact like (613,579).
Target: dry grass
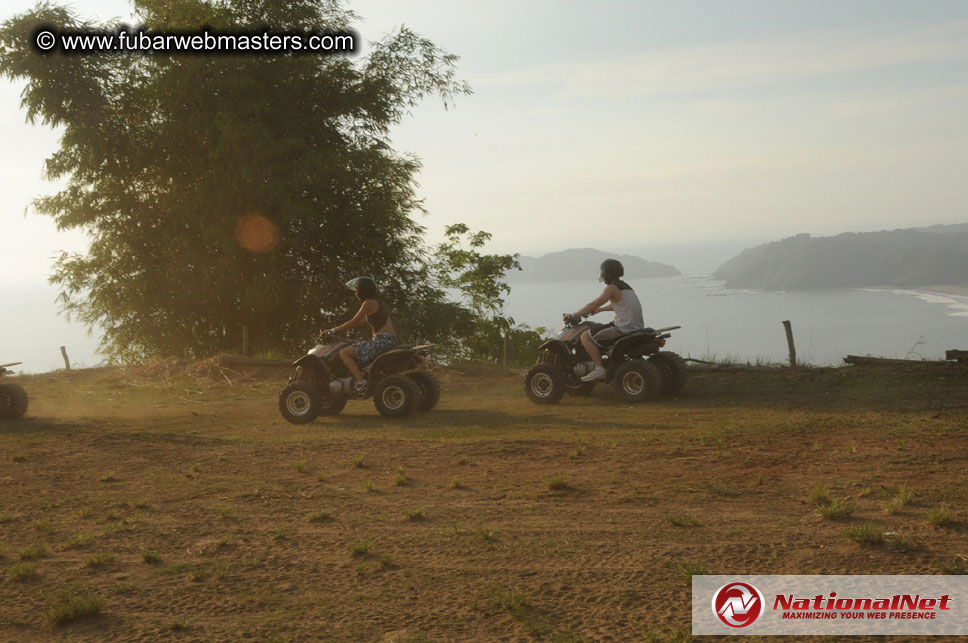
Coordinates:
(207,478)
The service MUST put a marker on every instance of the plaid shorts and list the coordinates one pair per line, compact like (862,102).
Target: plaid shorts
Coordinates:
(606,334)
(372,348)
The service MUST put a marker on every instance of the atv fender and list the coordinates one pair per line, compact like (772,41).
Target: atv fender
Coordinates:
(393,361)
(316,366)
(559,348)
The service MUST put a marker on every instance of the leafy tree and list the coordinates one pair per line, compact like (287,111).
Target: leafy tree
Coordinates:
(229,191)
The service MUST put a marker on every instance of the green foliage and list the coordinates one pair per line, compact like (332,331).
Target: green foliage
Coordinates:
(255,184)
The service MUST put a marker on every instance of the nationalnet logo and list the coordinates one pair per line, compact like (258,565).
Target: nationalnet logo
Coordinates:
(818,605)
(738,604)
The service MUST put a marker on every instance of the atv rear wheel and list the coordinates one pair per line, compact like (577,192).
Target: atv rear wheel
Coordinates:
(300,402)
(637,381)
(396,396)
(430,388)
(13,401)
(673,370)
(544,384)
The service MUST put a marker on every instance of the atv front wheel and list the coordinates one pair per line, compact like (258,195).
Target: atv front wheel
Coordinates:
(430,388)
(396,396)
(637,381)
(672,368)
(300,402)
(544,384)
(13,401)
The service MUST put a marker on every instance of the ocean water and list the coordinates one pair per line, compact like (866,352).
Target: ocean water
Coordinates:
(739,325)
(746,326)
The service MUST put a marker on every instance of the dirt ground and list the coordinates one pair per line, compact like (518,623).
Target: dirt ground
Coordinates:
(184,508)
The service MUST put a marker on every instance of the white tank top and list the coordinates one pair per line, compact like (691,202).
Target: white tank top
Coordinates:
(628,312)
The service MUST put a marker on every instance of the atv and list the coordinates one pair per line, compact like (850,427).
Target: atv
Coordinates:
(635,366)
(321,384)
(13,398)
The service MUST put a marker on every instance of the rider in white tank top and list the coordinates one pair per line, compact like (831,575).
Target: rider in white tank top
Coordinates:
(628,311)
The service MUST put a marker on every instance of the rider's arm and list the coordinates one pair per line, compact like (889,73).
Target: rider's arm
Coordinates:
(604,309)
(593,307)
(369,307)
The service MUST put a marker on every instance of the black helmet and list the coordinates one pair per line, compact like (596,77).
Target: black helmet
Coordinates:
(610,270)
(365,287)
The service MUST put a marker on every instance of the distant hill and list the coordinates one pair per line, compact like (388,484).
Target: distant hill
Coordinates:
(583,263)
(894,258)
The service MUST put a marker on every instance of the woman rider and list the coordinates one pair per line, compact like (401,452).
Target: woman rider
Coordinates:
(375,312)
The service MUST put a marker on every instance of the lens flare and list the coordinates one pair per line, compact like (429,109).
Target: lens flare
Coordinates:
(256,233)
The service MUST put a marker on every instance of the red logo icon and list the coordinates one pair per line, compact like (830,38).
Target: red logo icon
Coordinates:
(737,604)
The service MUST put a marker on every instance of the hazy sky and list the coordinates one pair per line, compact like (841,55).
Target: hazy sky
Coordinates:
(630,123)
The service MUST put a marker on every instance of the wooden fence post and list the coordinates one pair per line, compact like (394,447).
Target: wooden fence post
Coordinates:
(507,350)
(67,362)
(793,350)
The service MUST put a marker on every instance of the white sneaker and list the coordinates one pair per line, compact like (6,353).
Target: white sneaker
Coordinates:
(597,374)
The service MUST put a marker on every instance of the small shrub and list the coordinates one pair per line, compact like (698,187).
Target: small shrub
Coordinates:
(683,521)
(44,526)
(301,466)
(836,510)
(414,514)
(579,450)
(178,625)
(72,604)
(386,560)
(462,460)
(866,534)
(485,533)
(513,602)
(109,477)
(361,547)
(22,572)
(358,461)
(455,483)
(5,518)
(940,517)
(957,566)
(140,503)
(317,516)
(280,534)
(224,511)
(401,478)
(79,541)
(97,560)
(557,482)
(151,557)
(819,496)
(688,569)
(368,486)
(18,457)
(32,552)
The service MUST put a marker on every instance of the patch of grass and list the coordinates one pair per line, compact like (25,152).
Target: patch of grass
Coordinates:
(387,560)
(225,511)
(684,520)
(688,569)
(901,542)
(280,534)
(557,482)
(320,477)
(455,483)
(462,460)
(22,572)
(368,486)
(99,560)
(956,566)
(109,477)
(44,526)
(358,461)
(417,513)
(179,624)
(300,466)
(361,547)
(32,552)
(900,500)
(151,557)
(5,518)
(18,457)
(401,479)
(86,514)
(72,604)
(577,453)
(836,510)
(819,496)
(513,602)
(940,517)
(80,540)
(177,568)
(318,516)
(485,533)
(140,503)
(866,534)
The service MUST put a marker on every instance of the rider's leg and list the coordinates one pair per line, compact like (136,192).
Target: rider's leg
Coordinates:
(348,355)
(592,348)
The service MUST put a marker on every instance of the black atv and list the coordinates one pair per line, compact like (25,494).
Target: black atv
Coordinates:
(321,384)
(634,364)
(13,398)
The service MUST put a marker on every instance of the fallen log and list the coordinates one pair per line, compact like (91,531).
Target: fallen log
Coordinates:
(860,360)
